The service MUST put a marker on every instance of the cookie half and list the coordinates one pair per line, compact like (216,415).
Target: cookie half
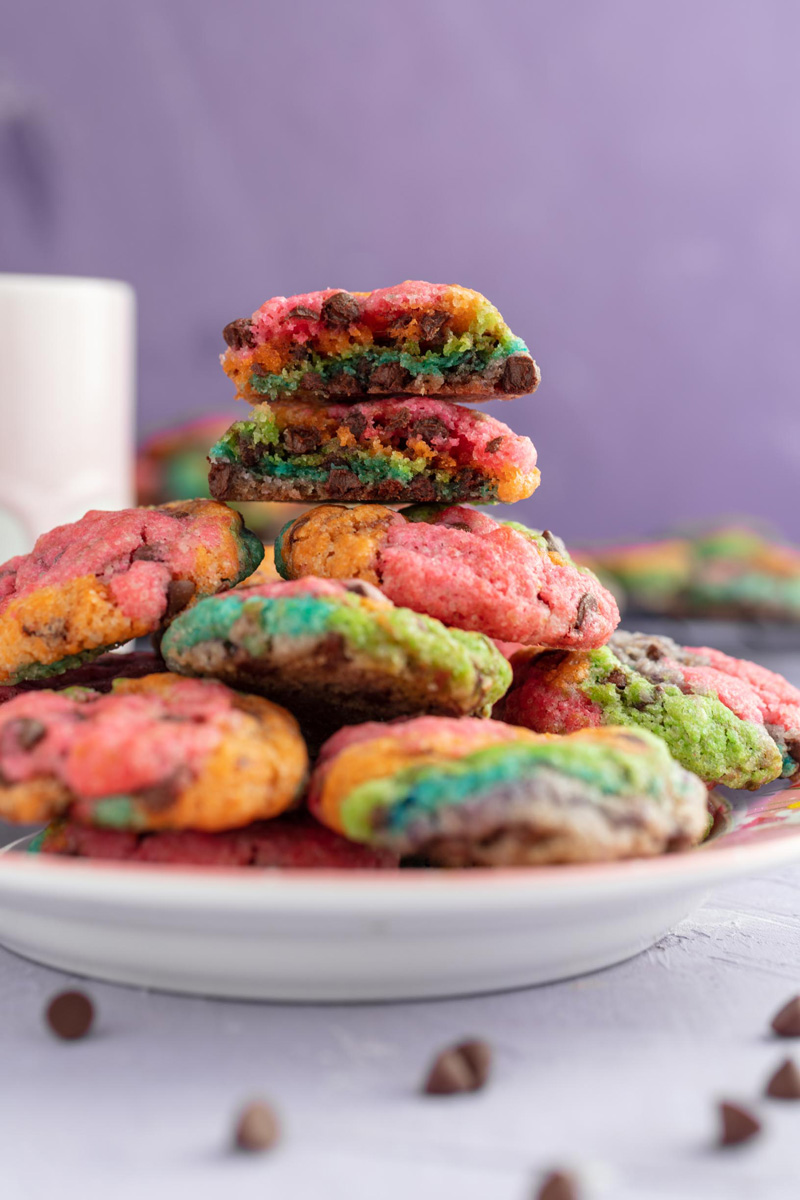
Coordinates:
(728,720)
(335,652)
(467,793)
(113,576)
(291,842)
(459,566)
(390,451)
(156,753)
(419,338)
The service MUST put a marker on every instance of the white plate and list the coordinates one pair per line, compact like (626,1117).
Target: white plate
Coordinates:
(311,936)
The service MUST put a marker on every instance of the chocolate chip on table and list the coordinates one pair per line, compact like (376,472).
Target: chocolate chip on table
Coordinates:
(558,1185)
(519,374)
(239,333)
(784,1084)
(461,1068)
(786,1023)
(340,309)
(257,1128)
(586,604)
(70,1015)
(738,1124)
(179,593)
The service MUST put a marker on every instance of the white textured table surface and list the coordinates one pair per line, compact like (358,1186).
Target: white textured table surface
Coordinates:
(619,1071)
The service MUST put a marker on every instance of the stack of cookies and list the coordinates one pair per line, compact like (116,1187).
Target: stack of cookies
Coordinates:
(454,683)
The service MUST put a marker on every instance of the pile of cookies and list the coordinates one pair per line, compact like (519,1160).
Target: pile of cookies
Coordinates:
(421,685)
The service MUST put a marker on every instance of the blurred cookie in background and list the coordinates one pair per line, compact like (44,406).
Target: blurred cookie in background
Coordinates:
(736,569)
(172,464)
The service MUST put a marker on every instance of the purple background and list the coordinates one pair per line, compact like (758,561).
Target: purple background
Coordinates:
(622,179)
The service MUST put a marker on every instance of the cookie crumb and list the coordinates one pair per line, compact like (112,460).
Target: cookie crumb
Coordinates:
(70,1015)
(257,1127)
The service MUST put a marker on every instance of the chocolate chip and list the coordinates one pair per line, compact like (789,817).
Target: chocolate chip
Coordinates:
(654,652)
(159,796)
(70,1015)
(257,1128)
(617,677)
(786,1023)
(301,441)
(519,374)
(785,1083)
(340,309)
(388,377)
(22,734)
(432,327)
(554,543)
(462,1068)
(558,1185)
(360,587)
(738,1125)
(343,482)
(179,593)
(239,334)
(302,310)
(219,478)
(146,554)
(586,604)
(421,490)
(428,428)
(494,445)
(356,422)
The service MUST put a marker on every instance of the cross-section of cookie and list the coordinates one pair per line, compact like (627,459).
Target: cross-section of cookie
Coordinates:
(156,753)
(468,793)
(458,565)
(416,338)
(728,720)
(336,652)
(396,451)
(114,576)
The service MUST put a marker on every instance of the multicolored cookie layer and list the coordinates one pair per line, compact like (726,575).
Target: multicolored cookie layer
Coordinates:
(459,566)
(419,338)
(727,720)
(335,653)
(392,451)
(113,576)
(466,793)
(291,842)
(98,674)
(173,465)
(730,571)
(156,753)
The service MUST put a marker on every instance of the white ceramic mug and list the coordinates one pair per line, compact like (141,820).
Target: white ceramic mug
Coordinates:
(67,348)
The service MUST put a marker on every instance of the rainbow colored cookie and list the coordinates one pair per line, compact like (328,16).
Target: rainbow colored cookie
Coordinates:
(113,576)
(393,451)
(291,842)
(467,793)
(156,753)
(459,566)
(419,338)
(98,673)
(729,721)
(336,652)
(728,571)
